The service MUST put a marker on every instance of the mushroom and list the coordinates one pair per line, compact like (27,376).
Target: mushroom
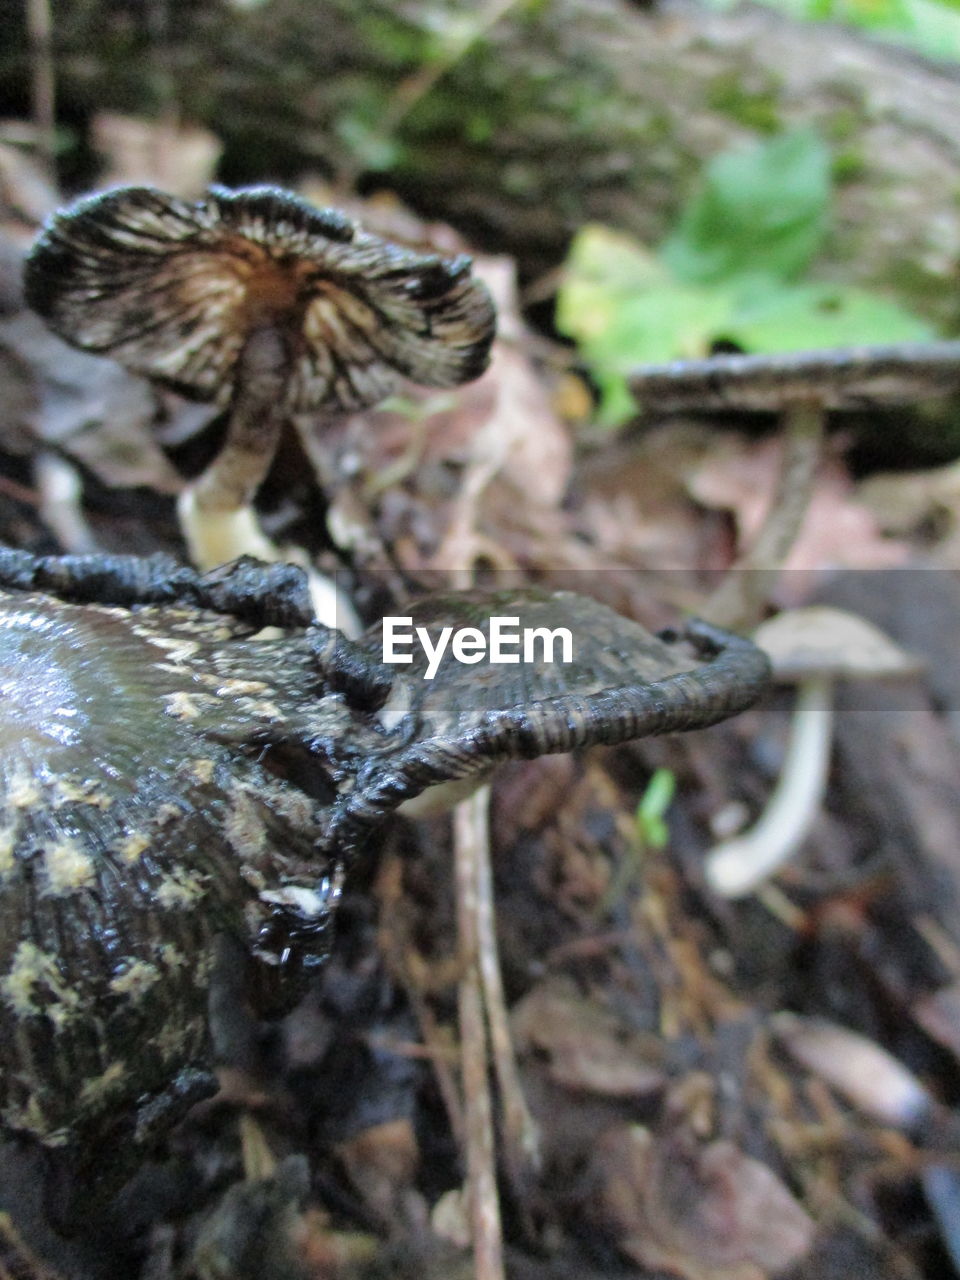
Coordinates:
(270,309)
(145,808)
(167,776)
(811,647)
(802,387)
(622,683)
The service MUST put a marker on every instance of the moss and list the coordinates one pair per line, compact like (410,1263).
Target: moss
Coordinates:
(848,166)
(756,109)
(842,125)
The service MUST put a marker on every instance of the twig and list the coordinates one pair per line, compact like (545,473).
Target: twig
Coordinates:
(521,1138)
(42,86)
(482,1198)
(415,87)
(403,960)
(35,1269)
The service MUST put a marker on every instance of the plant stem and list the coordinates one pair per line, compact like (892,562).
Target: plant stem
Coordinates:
(521,1138)
(43,85)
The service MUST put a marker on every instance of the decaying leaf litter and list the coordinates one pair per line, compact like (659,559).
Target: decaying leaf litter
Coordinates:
(674,1131)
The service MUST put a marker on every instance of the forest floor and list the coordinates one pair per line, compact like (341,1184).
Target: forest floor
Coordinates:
(678,1125)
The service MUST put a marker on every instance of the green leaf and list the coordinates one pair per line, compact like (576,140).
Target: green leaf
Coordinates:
(813,316)
(651,829)
(371,148)
(760,212)
(623,308)
(932,26)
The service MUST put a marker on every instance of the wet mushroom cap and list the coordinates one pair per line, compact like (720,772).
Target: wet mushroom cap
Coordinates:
(622,683)
(141,814)
(165,777)
(607,649)
(174,291)
(849,378)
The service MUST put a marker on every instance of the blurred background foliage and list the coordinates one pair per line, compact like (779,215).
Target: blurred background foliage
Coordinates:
(671,180)
(930,26)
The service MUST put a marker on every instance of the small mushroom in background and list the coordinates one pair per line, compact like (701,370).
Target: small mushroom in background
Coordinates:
(272,310)
(802,387)
(812,647)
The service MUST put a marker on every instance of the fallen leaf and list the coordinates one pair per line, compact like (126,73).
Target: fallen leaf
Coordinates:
(586,1047)
(698,1211)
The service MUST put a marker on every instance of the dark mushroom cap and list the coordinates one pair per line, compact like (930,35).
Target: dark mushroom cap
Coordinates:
(847,378)
(623,683)
(141,814)
(173,290)
(165,777)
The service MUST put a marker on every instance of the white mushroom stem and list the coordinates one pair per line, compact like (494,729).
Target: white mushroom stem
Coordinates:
(257,413)
(738,866)
(217,537)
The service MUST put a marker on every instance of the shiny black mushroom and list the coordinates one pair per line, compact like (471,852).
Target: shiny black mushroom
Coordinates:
(146,807)
(168,776)
(255,301)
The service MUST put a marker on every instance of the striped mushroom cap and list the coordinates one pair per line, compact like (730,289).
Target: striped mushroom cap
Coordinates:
(174,290)
(620,683)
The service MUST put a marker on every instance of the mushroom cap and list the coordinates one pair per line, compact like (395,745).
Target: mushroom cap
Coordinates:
(849,378)
(622,683)
(173,290)
(142,813)
(819,640)
(165,778)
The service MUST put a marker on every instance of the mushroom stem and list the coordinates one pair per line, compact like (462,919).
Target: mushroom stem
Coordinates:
(256,418)
(739,600)
(736,867)
(216,512)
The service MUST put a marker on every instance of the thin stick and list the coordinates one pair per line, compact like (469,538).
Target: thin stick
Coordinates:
(36,1269)
(43,92)
(482,1198)
(521,1138)
(740,599)
(403,960)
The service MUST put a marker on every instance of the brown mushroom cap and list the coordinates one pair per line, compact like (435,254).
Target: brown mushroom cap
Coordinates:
(173,290)
(822,641)
(849,378)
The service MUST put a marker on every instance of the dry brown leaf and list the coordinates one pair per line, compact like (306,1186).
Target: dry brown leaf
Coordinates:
(25,188)
(924,503)
(634,505)
(698,1211)
(178,158)
(839,531)
(382,1163)
(585,1045)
